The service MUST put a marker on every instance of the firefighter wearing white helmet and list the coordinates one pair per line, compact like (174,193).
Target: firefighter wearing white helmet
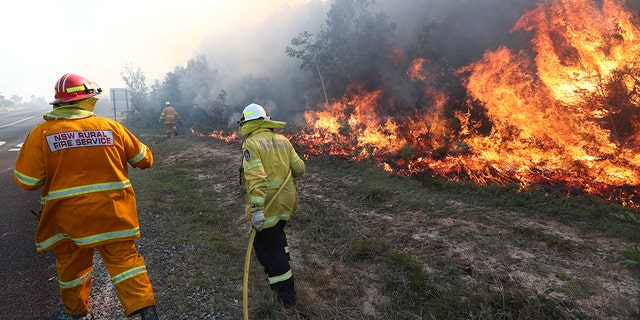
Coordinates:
(253,112)
(268,161)
(170,116)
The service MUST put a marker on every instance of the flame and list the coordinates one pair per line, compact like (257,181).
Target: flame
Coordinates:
(396,56)
(232,137)
(415,70)
(352,129)
(562,115)
(548,110)
(579,45)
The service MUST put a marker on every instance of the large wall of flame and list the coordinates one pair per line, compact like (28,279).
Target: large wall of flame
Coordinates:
(561,110)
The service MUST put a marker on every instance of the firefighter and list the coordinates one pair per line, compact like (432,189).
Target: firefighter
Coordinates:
(170,117)
(268,158)
(87,203)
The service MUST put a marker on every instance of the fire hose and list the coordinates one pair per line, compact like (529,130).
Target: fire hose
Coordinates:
(247,259)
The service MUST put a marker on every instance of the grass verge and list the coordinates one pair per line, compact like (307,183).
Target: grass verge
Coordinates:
(370,245)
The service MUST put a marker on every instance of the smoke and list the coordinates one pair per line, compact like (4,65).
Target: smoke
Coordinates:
(464,28)
(459,33)
(249,63)
(252,66)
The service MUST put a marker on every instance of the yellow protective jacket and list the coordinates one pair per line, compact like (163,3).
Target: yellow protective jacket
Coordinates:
(169,115)
(267,159)
(81,164)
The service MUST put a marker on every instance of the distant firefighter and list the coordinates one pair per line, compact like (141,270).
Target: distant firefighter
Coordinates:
(170,116)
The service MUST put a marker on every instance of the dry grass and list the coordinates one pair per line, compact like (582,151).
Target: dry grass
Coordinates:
(368,245)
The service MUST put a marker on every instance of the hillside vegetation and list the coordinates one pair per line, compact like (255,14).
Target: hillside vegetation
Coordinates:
(369,245)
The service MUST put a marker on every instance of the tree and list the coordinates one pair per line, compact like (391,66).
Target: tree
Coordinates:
(220,108)
(136,82)
(312,57)
(186,87)
(16,99)
(352,46)
(5,103)
(197,82)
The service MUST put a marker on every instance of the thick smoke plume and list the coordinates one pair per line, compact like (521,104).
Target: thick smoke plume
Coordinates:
(525,92)
(250,64)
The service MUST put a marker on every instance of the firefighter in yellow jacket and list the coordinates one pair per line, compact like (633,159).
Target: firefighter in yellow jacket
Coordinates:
(81,163)
(268,158)
(170,116)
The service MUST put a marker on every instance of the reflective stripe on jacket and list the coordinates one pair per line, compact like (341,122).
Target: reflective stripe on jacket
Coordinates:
(267,159)
(82,167)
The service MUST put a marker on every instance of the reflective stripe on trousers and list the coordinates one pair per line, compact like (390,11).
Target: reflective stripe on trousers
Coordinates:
(272,252)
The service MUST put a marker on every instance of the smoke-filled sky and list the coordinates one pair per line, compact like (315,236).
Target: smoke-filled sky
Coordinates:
(42,39)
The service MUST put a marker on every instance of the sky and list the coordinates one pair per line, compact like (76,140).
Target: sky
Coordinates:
(42,39)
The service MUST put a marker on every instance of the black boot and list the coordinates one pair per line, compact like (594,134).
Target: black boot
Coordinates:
(148,313)
(286,292)
(288,301)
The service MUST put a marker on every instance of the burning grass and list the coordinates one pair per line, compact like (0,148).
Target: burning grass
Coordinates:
(562,114)
(367,244)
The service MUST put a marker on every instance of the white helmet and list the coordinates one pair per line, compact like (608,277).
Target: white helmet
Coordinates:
(167,103)
(253,112)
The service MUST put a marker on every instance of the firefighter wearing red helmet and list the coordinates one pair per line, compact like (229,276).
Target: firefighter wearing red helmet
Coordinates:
(268,161)
(80,162)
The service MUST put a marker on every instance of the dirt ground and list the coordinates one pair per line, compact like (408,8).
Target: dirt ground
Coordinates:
(559,262)
(490,246)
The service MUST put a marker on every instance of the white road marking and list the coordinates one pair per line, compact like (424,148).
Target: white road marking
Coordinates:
(21,120)
(19,146)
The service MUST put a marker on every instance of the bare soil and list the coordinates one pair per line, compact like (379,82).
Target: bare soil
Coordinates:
(455,240)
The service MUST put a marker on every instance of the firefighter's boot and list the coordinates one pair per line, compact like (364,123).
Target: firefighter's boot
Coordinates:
(148,313)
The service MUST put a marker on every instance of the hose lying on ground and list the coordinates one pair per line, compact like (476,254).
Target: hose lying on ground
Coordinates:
(247,259)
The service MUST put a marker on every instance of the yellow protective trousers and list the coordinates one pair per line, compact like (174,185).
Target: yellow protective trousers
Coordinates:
(126,268)
(170,127)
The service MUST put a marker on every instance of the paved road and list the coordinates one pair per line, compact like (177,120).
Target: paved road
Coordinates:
(28,282)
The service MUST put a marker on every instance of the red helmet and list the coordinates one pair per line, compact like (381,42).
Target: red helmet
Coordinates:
(72,87)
